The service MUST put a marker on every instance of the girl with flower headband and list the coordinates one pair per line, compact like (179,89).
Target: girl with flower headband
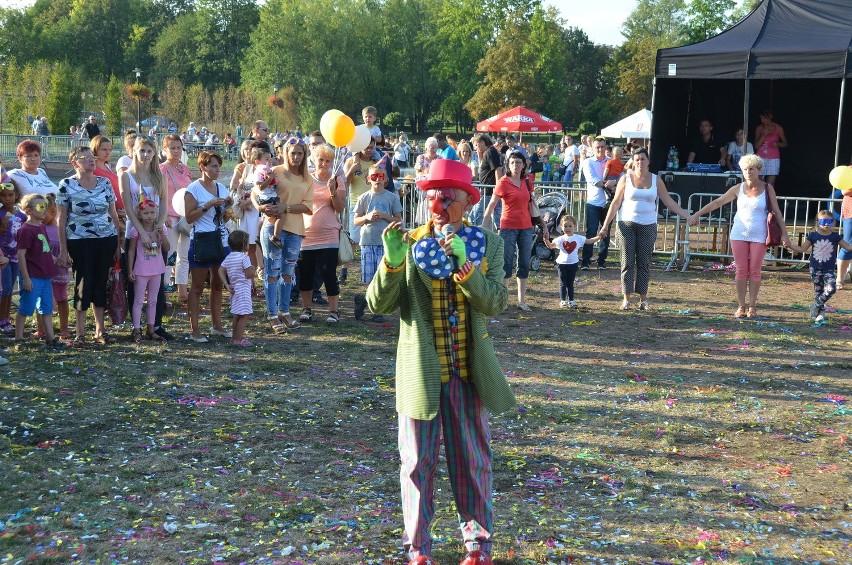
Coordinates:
(146,266)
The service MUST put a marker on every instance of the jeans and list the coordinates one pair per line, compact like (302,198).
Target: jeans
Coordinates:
(517,244)
(278,262)
(595,215)
(477,212)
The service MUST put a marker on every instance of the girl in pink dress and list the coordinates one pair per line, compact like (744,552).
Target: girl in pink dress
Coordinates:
(146,268)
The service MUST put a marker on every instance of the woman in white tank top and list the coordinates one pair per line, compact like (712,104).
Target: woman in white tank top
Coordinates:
(748,233)
(635,201)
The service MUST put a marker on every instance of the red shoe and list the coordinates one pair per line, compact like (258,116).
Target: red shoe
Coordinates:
(476,558)
(422,560)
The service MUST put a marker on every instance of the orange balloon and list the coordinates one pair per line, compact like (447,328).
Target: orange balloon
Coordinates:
(341,131)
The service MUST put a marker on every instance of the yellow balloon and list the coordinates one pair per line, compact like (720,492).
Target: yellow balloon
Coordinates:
(342,130)
(325,121)
(841,178)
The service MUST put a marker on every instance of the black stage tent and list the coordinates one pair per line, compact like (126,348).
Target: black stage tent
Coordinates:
(792,56)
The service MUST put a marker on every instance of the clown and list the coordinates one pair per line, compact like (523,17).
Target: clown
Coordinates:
(446,278)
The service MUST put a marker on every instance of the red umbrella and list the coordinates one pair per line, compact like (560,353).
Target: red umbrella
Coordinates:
(521,120)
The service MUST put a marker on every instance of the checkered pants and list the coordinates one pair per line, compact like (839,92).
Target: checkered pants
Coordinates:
(371,255)
(637,245)
(464,422)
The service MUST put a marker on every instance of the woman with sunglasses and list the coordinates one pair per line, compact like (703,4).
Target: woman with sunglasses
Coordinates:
(295,194)
(322,234)
(31,178)
(205,202)
(515,190)
(88,240)
(143,180)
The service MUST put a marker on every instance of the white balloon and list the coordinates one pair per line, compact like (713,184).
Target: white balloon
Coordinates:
(178,202)
(361,140)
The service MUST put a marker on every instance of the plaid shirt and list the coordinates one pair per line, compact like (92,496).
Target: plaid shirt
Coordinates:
(450,318)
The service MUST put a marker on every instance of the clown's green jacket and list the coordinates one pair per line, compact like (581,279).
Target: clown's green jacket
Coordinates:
(418,371)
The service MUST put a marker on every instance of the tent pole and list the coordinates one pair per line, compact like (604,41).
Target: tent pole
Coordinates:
(653,101)
(746,96)
(839,121)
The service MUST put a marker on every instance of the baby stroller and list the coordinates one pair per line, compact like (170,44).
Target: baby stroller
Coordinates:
(552,206)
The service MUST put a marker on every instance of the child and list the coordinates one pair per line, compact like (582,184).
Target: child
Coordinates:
(146,269)
(374,211)
(62,275)
(11,220)
(265,189)
(823,258)
(37,269)
(237,272)
(369,115)
(567,262)
(615,166)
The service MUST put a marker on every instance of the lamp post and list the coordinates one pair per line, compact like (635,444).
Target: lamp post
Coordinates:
(275,108)
(138,72)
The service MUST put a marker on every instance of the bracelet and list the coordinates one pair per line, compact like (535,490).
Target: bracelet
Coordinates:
(288,209)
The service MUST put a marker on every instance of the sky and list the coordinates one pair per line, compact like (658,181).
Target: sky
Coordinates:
(601,22)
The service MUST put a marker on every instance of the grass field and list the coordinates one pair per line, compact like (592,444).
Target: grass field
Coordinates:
(677,435)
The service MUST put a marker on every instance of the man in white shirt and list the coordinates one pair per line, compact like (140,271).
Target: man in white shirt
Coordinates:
(570,159)
(596,202)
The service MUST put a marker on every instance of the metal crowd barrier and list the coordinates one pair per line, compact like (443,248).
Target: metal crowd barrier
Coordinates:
(54,148)
(710,238)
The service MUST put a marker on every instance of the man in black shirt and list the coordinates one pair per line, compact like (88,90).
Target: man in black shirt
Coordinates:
(704,148)
(91,128)
(490,171)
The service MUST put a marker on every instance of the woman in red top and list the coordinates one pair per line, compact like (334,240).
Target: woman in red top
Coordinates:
(101,146)
(515,190)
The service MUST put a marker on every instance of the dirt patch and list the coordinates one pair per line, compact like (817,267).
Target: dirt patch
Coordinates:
(677,435)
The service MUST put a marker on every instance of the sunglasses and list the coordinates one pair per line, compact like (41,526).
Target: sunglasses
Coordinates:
(146,203)
(40,207)
(7,186)
(295,141)
(377,176)
(826,222)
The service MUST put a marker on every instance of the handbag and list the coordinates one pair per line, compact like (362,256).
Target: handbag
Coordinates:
(207,246)
(535,213)
(773,228)
(345,253)
(117,305)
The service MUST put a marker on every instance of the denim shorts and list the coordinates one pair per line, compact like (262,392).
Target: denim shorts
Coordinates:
(8,276)
(40,298)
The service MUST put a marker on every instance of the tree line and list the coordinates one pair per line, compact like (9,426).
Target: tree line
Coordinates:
(425,64)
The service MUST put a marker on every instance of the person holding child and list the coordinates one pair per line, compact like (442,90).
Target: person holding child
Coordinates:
(374,211)
(88,239)
(755,198)
(568,260)
(635,202)
(11,220)
(237,273)
(448,378)
(37,269)
(146,267)
(824,242)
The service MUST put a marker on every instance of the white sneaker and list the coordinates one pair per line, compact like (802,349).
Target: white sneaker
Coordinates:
(563,304)
(820,318)
(572,304)
(814,310)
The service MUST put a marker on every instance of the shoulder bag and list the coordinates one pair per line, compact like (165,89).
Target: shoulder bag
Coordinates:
(345,253)
(773,228)
(207,246)
(535,213)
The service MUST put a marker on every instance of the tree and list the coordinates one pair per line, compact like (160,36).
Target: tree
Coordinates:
(112,107)
(706,18)
(63,103)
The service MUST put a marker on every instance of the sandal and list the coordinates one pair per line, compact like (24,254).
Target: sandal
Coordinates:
(644,305)
(153,336)
(740,313)
(333,317)
(241,343)
(276,325)
(625,305)
(752,312)
(103,339)
(136,335)
(79,341)
(288,321)
(307,315)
